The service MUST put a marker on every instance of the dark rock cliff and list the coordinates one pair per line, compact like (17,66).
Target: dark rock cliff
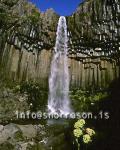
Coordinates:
(95,24)
(94,33)
(28,38)
(26,27)
(25,32)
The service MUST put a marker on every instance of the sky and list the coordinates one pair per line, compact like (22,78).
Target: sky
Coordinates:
(61,7)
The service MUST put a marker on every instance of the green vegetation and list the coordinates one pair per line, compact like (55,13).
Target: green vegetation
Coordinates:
(34,16)
(9,3)
(37,96)
(19,136)
(6,146)
(82,100)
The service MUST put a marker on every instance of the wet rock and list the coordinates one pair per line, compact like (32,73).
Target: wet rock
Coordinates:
(21,146)
(1,128)
(28,131)
(8,132)
(14,133)
(31,137)
(35,146)
(5,94)
(21,137)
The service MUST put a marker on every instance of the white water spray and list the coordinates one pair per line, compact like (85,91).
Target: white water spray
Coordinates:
(58,101)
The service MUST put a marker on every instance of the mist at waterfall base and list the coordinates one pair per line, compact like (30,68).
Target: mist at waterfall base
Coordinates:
(58,101)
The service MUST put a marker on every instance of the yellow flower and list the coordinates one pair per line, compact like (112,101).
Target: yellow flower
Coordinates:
(77,133)
(86,138)
(89,131)
(80,123)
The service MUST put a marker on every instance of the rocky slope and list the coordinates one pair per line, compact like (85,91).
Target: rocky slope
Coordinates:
(33,137)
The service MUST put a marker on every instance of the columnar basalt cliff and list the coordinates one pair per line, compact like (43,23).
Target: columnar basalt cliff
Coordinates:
(94,31)
(27,35)
(28,39)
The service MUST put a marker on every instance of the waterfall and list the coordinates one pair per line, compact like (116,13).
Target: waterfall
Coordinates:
(58,100)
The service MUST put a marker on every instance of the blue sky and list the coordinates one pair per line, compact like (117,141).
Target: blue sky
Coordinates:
(61,7)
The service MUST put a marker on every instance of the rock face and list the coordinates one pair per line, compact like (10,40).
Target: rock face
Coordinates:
(10,103)
(33,137)
(13,136)
(27,36)
(28,39)
(94,31)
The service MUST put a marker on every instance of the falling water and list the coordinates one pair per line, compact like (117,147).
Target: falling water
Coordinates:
(58,101)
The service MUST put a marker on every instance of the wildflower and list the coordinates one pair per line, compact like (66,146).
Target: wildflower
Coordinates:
(77,133)
(80,123)
(89,131)
(86,138)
